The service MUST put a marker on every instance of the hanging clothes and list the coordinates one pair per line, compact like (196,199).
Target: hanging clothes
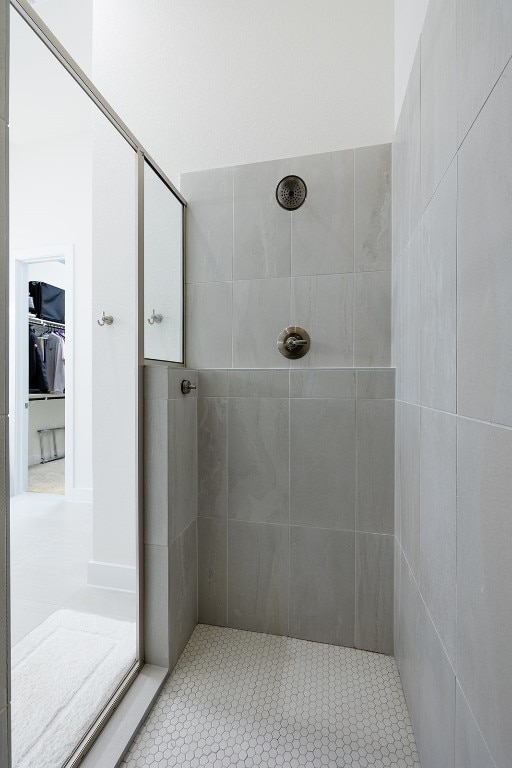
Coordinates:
(37,378)
(54,360)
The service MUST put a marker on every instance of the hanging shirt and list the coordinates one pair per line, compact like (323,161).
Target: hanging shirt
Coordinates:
(38,380)
(54,358)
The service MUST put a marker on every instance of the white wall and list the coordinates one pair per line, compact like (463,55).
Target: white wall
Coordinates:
(209,84)
(409,18)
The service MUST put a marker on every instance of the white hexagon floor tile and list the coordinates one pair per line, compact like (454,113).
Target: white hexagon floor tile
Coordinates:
(244,699)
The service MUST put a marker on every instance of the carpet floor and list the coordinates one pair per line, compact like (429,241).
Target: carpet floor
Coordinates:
(63,675)
(47,478)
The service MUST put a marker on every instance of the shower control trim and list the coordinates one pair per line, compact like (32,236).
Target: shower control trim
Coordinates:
(293,342)
(187,386)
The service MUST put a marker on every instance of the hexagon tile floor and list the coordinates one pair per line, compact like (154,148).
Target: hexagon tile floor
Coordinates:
(245,699)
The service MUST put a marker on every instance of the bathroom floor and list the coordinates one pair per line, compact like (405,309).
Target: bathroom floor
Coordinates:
(245,699)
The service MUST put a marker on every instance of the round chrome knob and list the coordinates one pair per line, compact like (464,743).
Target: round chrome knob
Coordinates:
(293,342)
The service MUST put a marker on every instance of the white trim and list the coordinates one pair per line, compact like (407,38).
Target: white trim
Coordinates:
(111,576)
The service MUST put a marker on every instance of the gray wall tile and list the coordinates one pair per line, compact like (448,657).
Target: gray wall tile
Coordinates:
(156,605)
(209,321)
(157,472)
(212,456)
(372,318)
(410,485)
(484,45)
(182,576)
(322,599)
(258,459)
(439,297)
(261,309)
(484,579)
(412,137)
(5,739)
(410,320)
(323,228)
(438,502)
(409,629)
(182,415)
(266,383)
(322,463)
(323,306)
(372,234)
(262,229)
(209,223)
(213,384)
(396,325)
(163,382)
(378,385)
(212,571)
(4,258)
(258,577)
(375,556)
(435,722)
(438,95)
(375,455)
(398,467)
(399,222)
(470,748)
(4,501)
(484,354)
(326,384)
(396,602)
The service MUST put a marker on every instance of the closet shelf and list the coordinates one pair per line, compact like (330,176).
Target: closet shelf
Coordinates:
(51,396)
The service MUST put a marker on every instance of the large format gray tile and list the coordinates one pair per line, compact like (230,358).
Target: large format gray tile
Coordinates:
(209,218)
(261,310)
(470,748)
(182,469)
(323,305)
(484,45)
(372,318)
(410,485)
(212,456)
(162,382)
(258,459)
(258,556)
(156,472)
(322,463)
(209,325)
(438,526)
(212,384)
(372,236)
(376,385)
(337,383)
(435,722)
(212,571)
(439,297)
(322,599)
(410,268)
(484,580)
(396,325)
(182,574)
(412,135)
(408,640)
(4,257)
(156,605)
(5,740)
(262,229)
(438,95)
(398,467)
(399,224)
(396,602)
(374,592)
(484,352)
(4,500)
(375,456)
(266,383)
(323,228)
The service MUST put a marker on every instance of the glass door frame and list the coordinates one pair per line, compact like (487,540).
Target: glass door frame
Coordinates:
(27,13)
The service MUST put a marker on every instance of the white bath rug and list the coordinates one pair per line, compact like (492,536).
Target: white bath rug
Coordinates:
(63,674)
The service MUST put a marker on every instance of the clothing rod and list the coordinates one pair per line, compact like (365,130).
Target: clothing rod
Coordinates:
(48,323)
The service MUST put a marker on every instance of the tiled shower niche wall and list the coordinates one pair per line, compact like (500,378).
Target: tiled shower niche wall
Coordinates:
(295,458)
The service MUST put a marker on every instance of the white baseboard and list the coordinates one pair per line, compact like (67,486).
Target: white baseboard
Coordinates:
(111,576)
